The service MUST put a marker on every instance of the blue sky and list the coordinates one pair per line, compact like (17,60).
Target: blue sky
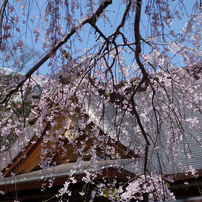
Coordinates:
(114,13)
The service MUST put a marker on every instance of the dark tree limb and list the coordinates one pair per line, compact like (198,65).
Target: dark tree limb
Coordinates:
(144,78)
(143,133)
(138,37)
(100,33)
(124,17)
(114,35)
(2,10)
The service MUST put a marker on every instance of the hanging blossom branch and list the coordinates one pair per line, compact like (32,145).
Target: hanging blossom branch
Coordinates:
(2,10)
(144,78)
(86,20)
